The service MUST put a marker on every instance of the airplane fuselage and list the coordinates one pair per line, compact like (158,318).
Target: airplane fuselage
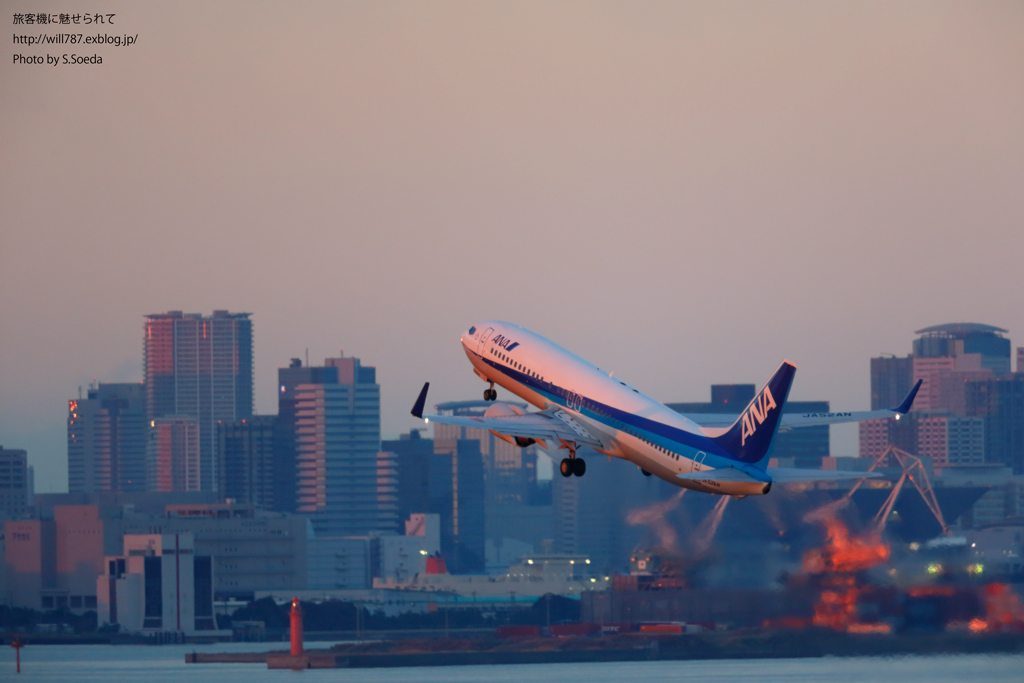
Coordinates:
(630,425)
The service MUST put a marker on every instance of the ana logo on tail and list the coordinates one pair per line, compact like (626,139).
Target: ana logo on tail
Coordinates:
(758,411)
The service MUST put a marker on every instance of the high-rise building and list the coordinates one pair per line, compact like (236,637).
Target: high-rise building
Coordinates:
(328,440)
(510,471)
(951,440)
(891,380)
(591,513)
(200,368)
(245,457)
(1000,402)
(943,378)
(957,339)
(173,455)
(456,480)
(107,439)
(1020,359)
(14,486)
(964,373)
(412,455)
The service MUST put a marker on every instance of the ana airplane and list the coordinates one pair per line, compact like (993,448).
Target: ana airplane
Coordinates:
(582,405)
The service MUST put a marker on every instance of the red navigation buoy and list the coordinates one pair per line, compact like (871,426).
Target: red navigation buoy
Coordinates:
(296,615)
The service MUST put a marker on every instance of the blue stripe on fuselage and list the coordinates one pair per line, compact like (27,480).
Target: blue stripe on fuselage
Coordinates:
(668,436)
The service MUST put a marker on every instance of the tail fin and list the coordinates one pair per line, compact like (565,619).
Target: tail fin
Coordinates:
(751,435)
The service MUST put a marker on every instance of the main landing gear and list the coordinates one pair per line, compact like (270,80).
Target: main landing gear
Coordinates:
(491,394)
(571,466)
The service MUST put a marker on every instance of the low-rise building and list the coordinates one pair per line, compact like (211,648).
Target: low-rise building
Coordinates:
(53,563)
(158,584)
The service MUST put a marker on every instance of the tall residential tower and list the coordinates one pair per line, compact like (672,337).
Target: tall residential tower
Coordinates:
(199,367)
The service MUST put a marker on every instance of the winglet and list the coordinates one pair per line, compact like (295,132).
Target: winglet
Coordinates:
(417,408)
(904,407)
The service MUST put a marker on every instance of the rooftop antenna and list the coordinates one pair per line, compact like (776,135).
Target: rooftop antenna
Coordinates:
(307,356)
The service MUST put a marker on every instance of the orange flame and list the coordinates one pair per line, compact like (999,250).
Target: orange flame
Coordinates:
(840,558)
(843,554)
(1003,608)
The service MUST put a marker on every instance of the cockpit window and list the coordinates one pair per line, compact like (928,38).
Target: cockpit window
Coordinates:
(472,330)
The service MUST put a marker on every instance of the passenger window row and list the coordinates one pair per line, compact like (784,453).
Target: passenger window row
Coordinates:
(517,366)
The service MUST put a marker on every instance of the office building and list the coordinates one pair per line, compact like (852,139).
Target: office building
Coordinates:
(245,457)
(591,513)
(52,562)
(964,370)
(107,439)
(807,445)
(456,480)
(490,506)
(199,367)
(339,562)
(158,584)
(943,380)
(404,556)
(892,378)
(329,436)
(999,401)
(14,483)
(950,440)
(510,471)
(412,455)
(957,339)
(174,454)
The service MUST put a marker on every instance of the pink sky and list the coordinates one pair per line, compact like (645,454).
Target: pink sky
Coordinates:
(684,193)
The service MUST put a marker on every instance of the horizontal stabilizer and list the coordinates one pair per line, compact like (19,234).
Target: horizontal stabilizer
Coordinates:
(714,424)
(789,475)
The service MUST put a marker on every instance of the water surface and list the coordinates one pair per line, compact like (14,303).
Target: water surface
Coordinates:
(166,664)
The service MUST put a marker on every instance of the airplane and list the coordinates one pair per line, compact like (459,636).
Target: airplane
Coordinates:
(579,404)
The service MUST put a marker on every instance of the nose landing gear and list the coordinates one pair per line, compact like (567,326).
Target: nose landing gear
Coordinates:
(491,394)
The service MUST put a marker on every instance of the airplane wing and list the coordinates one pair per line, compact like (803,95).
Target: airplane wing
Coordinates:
(553,424)
(793,420)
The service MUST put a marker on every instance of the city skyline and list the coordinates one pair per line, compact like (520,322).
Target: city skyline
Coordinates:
(685,194)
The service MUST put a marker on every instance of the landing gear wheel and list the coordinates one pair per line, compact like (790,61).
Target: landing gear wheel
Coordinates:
(490,394)
(579,466)
(566,467)
(646,473)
